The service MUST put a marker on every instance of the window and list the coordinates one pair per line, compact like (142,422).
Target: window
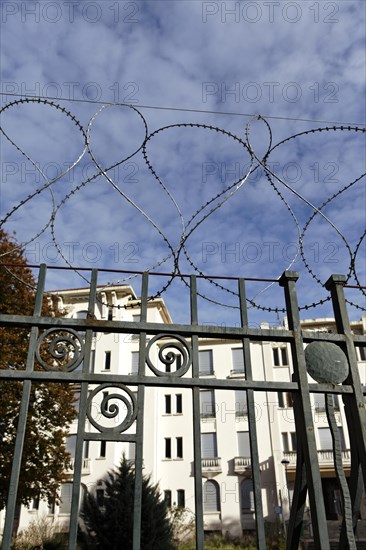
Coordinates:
(168,498)
(168,447)
(134,362)
(107,360)
(281,401)
(103,449)
(77,400)
(207,403)
(209,445)
(168,404)
(131,451)
(35,503)
(243,444)
(86,449)
(237,360)
(247,496)
(289,442)
(92,360)
(205,362)
(319,402)
(289,401)
(341,437)
(280,357)
(136,319)
(181,498)
(325,439)
(71,444)
(362,353)
(211,496)
(241,407)
(179,441)
(178,403)
(110,314)
(66,496)
(284,399)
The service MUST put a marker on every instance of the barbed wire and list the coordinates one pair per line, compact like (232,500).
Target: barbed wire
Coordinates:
(178,251)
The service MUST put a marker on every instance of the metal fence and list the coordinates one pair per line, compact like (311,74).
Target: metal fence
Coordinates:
(308,478)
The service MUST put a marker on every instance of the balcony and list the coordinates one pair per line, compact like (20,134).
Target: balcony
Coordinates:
(325,458)
(211,466)
(85,468)
(242,465)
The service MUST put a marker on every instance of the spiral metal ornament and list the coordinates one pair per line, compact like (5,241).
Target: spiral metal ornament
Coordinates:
(60,350)
(110,410)
(169,354)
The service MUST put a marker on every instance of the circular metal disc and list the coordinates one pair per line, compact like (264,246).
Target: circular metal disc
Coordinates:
(326,362)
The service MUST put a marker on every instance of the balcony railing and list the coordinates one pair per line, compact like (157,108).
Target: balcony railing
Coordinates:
(325,458)
(211,466)
(85,468)
(242,464)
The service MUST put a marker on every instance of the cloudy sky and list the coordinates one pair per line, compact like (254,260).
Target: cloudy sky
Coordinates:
(300,65)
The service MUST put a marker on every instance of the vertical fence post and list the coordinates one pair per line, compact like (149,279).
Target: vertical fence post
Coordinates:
(22,420)
(254,455)
(196,423)
(140,421)
(354,404)
(304,418)
(75,502)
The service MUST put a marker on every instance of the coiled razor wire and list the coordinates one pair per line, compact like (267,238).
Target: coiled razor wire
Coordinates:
(201,215)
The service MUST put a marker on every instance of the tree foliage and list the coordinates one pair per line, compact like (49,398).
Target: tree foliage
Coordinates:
(51,409)
(108,518)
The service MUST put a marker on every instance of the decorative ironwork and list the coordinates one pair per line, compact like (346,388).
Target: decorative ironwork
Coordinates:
(180,343)
(326,362)
(60,350)
(110,410)
(168,357)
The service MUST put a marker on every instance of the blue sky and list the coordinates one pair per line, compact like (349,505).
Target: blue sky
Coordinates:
(293,60)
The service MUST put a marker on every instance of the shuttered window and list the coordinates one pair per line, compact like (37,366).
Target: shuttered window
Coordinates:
(325,439)
(66,495)
(319,402)
(243,444)
(237,360)
(209,445)
(134,362)
(206,362)
(211,496)
(207,403)
(241,407)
